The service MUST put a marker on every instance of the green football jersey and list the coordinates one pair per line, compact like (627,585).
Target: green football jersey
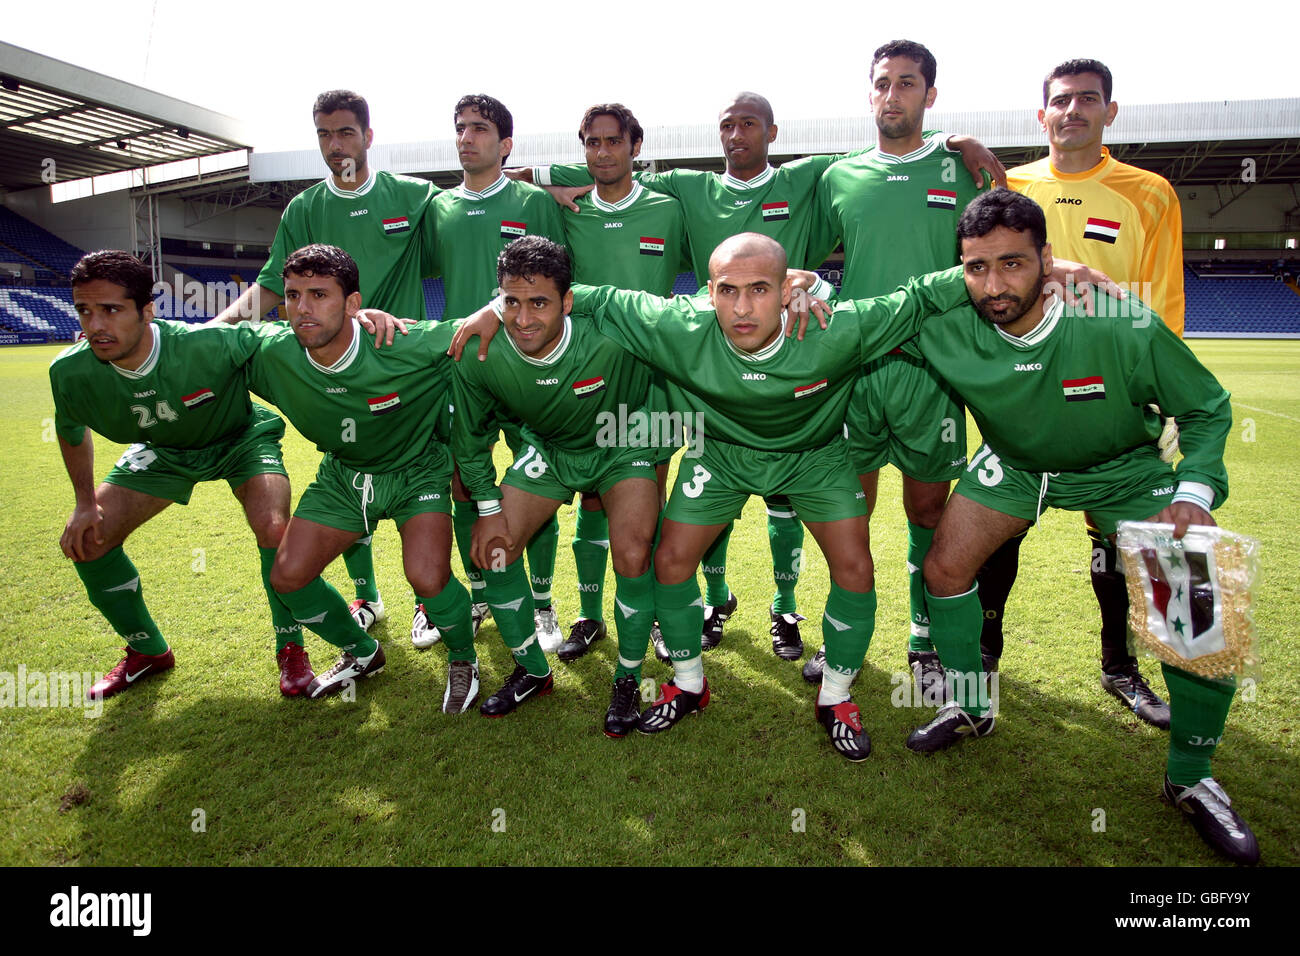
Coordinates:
(384,225)
(374,409)
(897,215)
(473,228)
(1074,392)
(562,399)
(191,392)
(789,396)
(637,243)
(779,202)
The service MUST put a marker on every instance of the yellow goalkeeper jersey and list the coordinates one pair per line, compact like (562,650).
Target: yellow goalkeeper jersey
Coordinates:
(1117,218)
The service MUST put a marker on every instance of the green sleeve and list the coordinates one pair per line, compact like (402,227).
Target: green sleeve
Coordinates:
(288,238)
(631,319)
(886,321)
(570,174)
(474,428)
(1169,374)
(552,219)
(824,231)
(71,432)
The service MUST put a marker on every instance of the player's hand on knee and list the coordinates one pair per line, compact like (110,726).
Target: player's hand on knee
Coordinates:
(382,325)
(491,542)
(483,323)
(1180,514)
(83,521)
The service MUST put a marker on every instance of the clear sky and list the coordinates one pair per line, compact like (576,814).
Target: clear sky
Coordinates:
(673,62)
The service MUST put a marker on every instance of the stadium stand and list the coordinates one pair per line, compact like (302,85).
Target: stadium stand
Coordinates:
(51,257)
(1239,304)
(47,311)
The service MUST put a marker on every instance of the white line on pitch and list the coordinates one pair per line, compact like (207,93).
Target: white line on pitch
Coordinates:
(1266,412)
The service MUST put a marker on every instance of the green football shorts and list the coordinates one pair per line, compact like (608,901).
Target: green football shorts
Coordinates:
(556,474)
(172,473)
(819,483)
(355,501)
(1133,487)
(902,413)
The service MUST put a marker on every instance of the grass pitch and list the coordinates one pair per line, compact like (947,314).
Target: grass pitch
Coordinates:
(209,765)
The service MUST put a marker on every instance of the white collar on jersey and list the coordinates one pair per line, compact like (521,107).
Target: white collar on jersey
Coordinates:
(623,204)
(762,179)
(346,358)
(350,193)
(464,192)
(556,354)
(930,144)
(1052,313)
(766,352)
(149,363)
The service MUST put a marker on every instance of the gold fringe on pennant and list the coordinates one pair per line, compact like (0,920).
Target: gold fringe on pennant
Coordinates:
(1233,570)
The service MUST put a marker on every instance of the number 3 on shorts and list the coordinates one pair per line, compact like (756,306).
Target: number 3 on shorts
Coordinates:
(695,487)
(990,472)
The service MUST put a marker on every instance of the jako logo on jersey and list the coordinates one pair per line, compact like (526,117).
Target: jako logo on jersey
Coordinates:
(651,246)
(1161,492)
(773,211)
(1083,389)
(335,390)
(1106,230)
(513,230)
(152,391)
(896,179)
(384,404)
(1068,201)
(742,202)
(589,386)
(1035,367)
(476,212)
(198,398)
(941,198)
(613,225)
(753,377)
(803,391)
(430,497)
(397,224)
(358,212)
(548,381)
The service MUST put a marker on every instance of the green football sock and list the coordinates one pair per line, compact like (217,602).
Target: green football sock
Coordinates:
(359,559)
(463,516)
(847,626)
(785,536)
(918,546)
(681,617)
(321,608)
(634,613)
(287,630)
(512,608)
(1198,712)
(955,629)
(714,566)
(113,586)
(541,551)
(448,611)
(590,556)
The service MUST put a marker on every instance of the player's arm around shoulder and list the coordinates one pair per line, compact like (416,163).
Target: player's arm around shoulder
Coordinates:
(885,322)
